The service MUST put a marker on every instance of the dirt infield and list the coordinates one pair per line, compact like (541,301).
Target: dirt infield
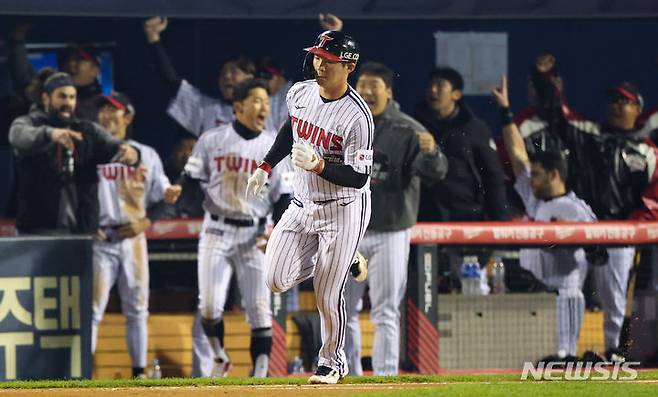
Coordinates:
(641,387)
(205,391)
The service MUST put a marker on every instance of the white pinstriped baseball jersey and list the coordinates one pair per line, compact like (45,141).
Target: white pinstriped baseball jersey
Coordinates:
(223,161)
(547,264)
(561,269)
(340,131)
(125,192)
(198,113)
(567,207)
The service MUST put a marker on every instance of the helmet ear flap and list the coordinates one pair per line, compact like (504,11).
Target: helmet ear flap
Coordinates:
(308,70)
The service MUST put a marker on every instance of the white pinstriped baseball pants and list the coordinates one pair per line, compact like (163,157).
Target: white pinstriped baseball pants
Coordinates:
(612,285)
(123,262)
(388,256)
(562,270)
(333,230)
(223,249)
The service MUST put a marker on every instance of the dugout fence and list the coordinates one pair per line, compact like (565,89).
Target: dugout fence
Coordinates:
(444,329)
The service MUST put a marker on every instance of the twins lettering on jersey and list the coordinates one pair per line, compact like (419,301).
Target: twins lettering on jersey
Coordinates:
(235,164)
(316,135)
(116,171)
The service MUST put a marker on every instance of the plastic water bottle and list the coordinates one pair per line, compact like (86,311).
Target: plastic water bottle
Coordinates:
(466,276)
(476,273)
(498,276)
(157,371)
(296,366)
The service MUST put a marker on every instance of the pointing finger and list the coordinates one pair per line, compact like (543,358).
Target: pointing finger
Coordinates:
(75,135)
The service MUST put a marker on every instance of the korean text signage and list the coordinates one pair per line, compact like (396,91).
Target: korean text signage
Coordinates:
(45,308)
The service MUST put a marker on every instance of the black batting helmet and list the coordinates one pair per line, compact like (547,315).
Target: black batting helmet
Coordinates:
(332,45)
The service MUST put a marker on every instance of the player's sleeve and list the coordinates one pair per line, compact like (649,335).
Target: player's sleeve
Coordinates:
(165,67)
(187,107)
(357,157)
(280,181)
(582,212)
(358,145)
(198,166)
(522,186)
(280,191)
(282,145)
(159,181)
(105,147)
(26,138)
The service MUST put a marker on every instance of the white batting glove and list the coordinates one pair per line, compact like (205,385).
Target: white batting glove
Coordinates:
(256,182)
(303,156)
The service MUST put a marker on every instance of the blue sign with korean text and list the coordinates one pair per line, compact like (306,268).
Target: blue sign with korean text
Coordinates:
(45,308)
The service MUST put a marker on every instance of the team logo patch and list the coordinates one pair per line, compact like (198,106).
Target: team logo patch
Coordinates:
(364,157)
(287,179)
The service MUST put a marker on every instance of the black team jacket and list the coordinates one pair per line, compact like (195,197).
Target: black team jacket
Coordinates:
(474,187)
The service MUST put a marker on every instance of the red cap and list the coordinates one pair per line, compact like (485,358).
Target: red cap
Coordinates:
(626,90)
(120,101)
(80,53)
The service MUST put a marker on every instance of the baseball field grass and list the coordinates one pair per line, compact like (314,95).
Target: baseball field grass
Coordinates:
(646,384)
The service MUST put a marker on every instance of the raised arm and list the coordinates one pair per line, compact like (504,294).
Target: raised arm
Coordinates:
(511,135)
(153,27)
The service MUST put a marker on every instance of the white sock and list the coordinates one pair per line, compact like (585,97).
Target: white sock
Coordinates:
(261,365)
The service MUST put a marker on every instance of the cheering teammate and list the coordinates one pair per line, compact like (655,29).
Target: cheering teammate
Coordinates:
(540,182)
(404,153)
(222,160)
(121,256)
(329,134)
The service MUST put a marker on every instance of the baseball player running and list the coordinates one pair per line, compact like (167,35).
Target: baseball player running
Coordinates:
(121,256)
(404,153)
(541,184)
(223,159)
(329,135)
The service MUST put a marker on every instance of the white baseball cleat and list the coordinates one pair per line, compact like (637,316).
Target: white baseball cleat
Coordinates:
(325,376)
(221,368)
(359,267)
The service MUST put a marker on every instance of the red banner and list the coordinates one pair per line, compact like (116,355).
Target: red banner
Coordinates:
(535,233)
(471,233)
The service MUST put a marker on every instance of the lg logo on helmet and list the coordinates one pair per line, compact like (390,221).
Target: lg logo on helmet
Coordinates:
(349,56)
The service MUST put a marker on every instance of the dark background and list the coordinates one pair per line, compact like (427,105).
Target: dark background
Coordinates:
(592,54)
